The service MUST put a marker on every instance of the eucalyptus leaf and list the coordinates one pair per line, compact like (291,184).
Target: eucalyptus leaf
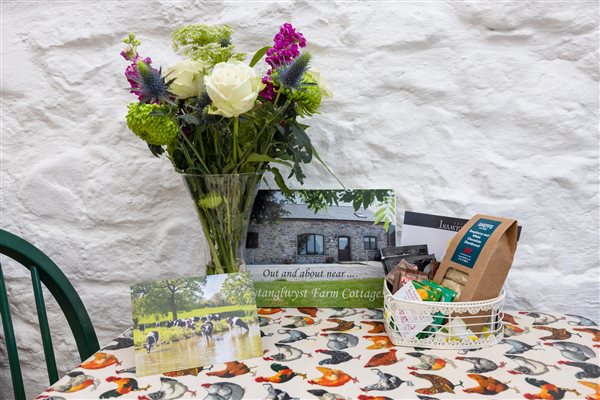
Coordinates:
(255,157)
(381,212)
(280,181)
(258,55)
(156,150)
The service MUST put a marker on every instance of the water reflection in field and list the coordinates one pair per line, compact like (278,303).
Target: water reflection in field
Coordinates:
(197,351)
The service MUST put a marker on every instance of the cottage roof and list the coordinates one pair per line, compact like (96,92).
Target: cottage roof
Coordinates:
(337,213)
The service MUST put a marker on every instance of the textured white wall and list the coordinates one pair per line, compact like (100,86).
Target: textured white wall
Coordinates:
(460,107)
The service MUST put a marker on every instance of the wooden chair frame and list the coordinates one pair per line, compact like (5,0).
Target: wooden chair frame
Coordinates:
(43,270)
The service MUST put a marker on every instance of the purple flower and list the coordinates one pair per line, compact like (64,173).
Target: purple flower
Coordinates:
(285,49)
(132,73)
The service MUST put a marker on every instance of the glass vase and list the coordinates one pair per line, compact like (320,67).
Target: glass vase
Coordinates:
(224,204)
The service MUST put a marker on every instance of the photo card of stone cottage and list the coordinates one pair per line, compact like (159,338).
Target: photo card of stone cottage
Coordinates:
(320,248)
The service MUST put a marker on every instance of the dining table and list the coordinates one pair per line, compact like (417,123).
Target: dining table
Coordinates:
(344,353)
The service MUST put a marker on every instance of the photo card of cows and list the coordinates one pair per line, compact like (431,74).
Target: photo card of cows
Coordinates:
(320,248)
(194,322)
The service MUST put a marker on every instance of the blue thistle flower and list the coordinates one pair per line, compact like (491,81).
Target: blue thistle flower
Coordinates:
(290,76)
(152,85)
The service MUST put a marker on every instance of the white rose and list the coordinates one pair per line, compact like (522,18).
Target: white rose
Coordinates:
(233,88)
(188,77)
(321,82)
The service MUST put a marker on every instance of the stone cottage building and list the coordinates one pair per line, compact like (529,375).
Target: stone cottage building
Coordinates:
(336,235)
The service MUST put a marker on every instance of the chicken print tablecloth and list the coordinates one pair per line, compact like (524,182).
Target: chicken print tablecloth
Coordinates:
(331,354)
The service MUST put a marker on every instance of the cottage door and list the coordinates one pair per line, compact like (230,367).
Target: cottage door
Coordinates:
(344,248)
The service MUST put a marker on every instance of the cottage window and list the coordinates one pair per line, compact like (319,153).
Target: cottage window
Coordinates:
(370,242)
(252,240)
(310,244)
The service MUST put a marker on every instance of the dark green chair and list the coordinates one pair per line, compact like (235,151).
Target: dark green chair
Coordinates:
(43,270)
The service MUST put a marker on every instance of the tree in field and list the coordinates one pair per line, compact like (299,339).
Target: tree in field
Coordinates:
(238,289)
(268,208)
(171,296)
(217,300)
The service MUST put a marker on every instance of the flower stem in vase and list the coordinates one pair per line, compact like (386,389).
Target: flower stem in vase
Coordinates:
(224,204)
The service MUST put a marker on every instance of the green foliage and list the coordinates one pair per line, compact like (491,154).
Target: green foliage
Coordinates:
(150,126)
(239,289)
(156,150)
(260,53)
(165,297)
(386,213)
(267,208)
(267,138)
(208,43)
(360,198)
(211,309)
(132,44)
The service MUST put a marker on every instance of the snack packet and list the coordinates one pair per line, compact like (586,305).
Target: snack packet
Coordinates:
(426,292)
(479,257)
(448,294)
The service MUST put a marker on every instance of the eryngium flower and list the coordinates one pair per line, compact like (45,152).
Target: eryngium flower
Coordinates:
(290,76)
(151,128)
(152,85)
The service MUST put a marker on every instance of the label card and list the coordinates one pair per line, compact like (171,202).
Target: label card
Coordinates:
(472,242)
(410,322)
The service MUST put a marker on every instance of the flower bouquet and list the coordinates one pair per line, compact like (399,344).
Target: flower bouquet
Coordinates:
(223,125)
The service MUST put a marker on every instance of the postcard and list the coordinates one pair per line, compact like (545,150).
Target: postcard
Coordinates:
(194,322)
(320,248)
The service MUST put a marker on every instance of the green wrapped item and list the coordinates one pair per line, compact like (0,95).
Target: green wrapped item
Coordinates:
(448,295)
(426,292)
(434,292)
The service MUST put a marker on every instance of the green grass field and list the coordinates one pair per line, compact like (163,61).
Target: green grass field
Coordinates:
(330,293)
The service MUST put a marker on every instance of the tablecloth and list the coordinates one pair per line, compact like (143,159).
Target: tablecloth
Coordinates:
(345,354)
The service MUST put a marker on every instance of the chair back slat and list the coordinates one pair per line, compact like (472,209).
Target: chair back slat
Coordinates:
(44,327)
(11,346)
(57,283)
(44,271)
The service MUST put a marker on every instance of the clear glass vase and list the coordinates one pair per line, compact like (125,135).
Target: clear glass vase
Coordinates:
(224,204)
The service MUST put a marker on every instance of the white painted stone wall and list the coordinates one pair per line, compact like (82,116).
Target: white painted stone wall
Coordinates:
(461,107)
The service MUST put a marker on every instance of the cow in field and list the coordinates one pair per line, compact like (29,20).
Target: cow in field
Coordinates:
(151,340)
(238,324)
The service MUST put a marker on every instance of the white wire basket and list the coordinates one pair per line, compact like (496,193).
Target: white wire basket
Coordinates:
(443,325)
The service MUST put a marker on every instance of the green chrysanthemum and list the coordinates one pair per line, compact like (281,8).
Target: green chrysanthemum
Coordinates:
(153,129)
(308,98)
